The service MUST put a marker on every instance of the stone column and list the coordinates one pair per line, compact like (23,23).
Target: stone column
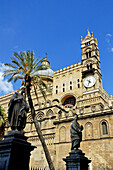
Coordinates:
(15,152)
(76,161)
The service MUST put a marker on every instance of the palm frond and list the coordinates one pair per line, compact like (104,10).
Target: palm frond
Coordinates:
(10,65)
(35,60)
(36,63)
(47,78)
(15,61)
(17,56)
(10,79)
(9,72)
(22,59)
(18,77)
(26,63)
(39,68)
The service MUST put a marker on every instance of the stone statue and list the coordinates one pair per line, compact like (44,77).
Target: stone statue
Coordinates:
(76,133)
(17,111)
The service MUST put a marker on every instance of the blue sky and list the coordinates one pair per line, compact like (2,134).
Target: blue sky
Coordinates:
(55,27)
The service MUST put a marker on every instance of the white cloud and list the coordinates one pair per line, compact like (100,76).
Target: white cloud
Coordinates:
(14,48)
(108,38)
(109,35)
(5,86)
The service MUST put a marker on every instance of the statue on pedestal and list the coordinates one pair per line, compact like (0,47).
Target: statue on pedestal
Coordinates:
(17,111)
(76,133)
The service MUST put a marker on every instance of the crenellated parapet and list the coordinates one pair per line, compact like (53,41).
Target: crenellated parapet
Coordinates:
(68,68)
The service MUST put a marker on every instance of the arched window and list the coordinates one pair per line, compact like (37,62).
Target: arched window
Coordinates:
(49,112)
(104,128)
(70,100)
(87,66)
(70,85)
(63,87)
(90,65)
(89,53)
(62,134)
(88,130)
(56,89)
(86,54)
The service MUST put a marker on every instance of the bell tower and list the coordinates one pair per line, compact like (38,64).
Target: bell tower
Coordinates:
(89,47)
(91,62)
(93,96)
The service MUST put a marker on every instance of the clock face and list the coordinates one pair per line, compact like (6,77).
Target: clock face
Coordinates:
(89,81)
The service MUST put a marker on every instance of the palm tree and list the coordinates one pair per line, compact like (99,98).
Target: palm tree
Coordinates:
(25,66)
(2,123)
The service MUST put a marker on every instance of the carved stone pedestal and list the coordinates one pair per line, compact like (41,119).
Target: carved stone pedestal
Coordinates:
(76,161)
(15,152)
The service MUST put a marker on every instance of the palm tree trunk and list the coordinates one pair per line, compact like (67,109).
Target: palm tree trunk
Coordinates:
(48,157)
(36,93)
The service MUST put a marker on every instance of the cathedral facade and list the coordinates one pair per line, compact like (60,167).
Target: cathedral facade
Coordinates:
(75,89)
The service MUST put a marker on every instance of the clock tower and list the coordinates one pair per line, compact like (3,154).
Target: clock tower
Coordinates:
(93,96)
(91,73)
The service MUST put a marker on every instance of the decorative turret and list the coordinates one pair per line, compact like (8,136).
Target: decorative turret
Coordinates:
(47,72)
(89,47)
(90,55)
(45,61)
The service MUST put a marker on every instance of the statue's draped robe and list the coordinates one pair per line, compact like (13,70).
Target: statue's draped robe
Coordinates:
(17,112)
(76,134)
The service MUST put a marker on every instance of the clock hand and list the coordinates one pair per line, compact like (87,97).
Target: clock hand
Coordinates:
(89,82)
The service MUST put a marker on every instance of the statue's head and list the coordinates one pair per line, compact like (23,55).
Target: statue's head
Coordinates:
(22,90)
(75,117)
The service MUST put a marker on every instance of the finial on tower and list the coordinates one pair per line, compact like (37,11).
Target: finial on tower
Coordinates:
(88,32)
(46,56)
(81,38)
(92,34)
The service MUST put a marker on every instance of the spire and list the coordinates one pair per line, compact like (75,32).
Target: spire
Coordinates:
(88,32)
(81,38)
(46,56)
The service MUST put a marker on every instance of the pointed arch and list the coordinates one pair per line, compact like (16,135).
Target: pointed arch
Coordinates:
(29,118)
(40,115)
(104,128)
(49,112)
(62,134)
